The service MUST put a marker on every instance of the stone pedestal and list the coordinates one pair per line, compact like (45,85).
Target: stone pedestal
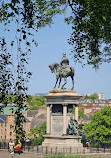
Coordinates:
(59,111)
(62,141)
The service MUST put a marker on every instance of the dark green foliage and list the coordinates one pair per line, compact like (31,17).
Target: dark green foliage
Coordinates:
(30,14)
(100,126)
(90,20)
(14,79)
(80,129)
(27,17)
(10,99)
(36,134)
(6,75)
(20,133)
(20,100)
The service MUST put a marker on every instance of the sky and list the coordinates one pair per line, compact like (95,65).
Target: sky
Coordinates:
(52,42)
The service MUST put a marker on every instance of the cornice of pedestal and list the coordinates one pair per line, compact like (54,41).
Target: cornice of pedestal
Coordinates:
(62,96)
(62,92)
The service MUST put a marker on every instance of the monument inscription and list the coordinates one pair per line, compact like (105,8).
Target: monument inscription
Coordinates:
(57,125)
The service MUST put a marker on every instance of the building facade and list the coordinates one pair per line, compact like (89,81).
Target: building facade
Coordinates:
(7,126)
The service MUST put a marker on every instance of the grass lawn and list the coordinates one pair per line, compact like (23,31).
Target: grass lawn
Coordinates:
(72,156)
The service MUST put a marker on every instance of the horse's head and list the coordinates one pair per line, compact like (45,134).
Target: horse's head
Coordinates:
(53,67)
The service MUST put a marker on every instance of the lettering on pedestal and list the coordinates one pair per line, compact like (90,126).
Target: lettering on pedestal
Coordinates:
(57,125)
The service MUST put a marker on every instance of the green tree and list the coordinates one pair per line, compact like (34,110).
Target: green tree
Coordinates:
(36,134)
(100,126)
(29,99)
(40,100)
(36,102)
(86,97)
(5,72)
(90,21)
(81,113)
(92,96)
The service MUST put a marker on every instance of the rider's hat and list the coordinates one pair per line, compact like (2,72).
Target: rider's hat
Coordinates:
(64,53)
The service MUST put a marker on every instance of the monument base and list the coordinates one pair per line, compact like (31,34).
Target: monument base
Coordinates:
(59,125)
(62,144)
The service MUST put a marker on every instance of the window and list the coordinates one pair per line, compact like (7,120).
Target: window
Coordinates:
(10,133)
(11,127)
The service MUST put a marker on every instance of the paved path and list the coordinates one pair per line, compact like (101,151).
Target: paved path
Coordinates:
(5,154)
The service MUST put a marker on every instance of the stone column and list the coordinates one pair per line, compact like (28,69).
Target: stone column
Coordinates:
(64,119)
(48,119)
(76,112)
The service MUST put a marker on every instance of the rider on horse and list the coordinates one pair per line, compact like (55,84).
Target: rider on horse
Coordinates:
(64,62)
(62,70)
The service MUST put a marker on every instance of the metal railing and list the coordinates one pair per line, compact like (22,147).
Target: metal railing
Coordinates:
(95,146)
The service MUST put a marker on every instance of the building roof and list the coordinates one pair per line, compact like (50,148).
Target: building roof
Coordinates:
(8,105)
(39,118)
(31,113)
(91,107)
(24,119)
(3,118)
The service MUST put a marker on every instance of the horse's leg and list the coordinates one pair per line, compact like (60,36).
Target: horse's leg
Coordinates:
(56,82)
(65,81)
(59,82)
(72,82)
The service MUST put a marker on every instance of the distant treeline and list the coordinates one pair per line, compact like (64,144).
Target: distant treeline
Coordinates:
(33,102)
(36,102)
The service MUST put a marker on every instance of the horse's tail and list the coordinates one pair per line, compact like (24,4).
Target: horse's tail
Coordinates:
(72,71)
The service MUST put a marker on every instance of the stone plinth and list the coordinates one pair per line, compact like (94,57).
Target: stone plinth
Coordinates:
(57,96)
(59,112)
(63,141)
(62,144)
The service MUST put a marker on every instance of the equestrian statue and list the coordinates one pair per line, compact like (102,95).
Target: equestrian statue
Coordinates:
(62,70)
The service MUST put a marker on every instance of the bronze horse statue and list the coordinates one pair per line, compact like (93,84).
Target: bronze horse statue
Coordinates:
(62,73)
